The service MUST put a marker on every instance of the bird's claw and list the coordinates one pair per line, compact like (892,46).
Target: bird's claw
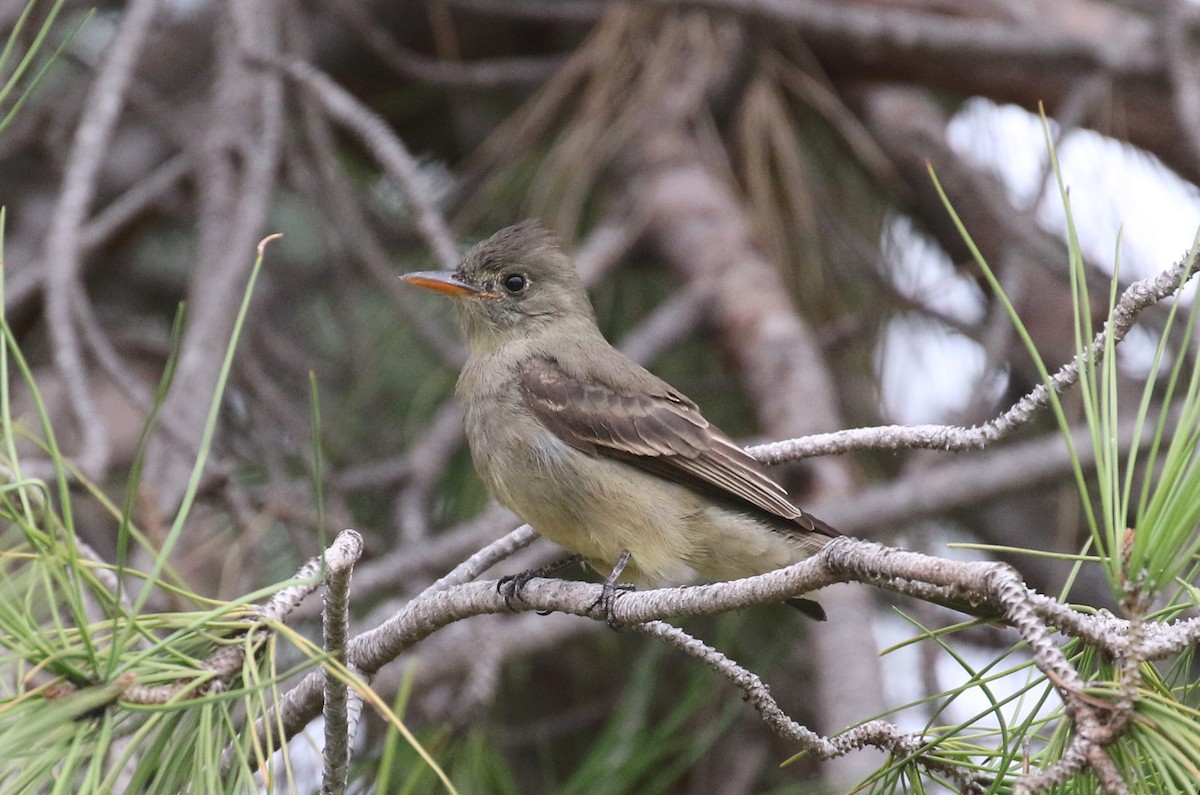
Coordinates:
(607,600)
(509,587)
(612,589)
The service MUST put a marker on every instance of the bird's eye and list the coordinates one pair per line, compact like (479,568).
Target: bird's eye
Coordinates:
(514,282)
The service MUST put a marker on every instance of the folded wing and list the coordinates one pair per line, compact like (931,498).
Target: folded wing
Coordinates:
(661,432)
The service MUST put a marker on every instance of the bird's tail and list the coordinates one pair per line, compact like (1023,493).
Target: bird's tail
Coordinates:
(808,607)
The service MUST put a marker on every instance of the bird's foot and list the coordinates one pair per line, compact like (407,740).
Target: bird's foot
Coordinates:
(611,589)
(608,599)
(510,586)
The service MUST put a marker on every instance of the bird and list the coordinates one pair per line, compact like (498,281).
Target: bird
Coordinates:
(594,451)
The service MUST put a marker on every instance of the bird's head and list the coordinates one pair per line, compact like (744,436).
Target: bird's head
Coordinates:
(515,285)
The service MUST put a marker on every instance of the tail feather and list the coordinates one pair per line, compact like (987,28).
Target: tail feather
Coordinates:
(808,607)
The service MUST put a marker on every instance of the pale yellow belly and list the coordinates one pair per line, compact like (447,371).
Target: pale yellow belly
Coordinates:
(599,507)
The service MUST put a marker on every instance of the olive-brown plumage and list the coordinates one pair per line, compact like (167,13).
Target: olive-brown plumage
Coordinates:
(593,450)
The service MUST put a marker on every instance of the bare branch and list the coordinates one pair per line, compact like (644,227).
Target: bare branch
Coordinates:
(889,32)
(388,149)
(550,10)
(484,559)
(338,734)
(1137,297)
(493,73)
(958,483)
(63,246)
(236,176)
(993,586)
(350,224)
(877,733)
(342,554)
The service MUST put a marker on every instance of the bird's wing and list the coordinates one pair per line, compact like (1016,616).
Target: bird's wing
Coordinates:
(660,431)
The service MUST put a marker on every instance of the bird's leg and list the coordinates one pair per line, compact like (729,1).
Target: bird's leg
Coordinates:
(611,588)
(510,586)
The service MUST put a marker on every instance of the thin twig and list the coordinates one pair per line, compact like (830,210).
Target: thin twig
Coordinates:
(1137,297)
(484,559)
(877,733)
(101,110)
(342,554)
(236,172)
(491,73)
(353,230)
(387,148)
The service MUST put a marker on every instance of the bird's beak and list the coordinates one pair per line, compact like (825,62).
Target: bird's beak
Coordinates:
(444,282)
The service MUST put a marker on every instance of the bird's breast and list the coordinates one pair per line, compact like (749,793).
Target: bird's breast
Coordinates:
(588,504)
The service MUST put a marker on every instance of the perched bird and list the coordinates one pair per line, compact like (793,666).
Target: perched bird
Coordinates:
(591,449)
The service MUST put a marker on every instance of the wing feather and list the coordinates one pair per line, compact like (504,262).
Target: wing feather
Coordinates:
(660,431)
